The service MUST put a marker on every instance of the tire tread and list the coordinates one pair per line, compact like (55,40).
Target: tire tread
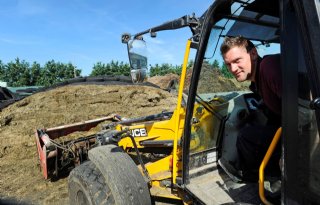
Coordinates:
(89,175)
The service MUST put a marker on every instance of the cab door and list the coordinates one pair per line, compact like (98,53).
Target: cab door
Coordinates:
(218,105)
(300,33)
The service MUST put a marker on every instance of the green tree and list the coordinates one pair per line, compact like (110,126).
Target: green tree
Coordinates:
(98,69)
(178,69)
(124,69)
(67,71)
(225,71)
(53,72)
(48,73)
(17,73)
(2,71)
(164,69)
(35,74)
(72,71)
(215,64)
(154,70)
(112,68)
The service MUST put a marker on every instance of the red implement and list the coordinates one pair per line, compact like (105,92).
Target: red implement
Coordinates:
(55,158)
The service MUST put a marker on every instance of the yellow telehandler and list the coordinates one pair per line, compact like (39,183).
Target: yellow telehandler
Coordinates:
(183,157)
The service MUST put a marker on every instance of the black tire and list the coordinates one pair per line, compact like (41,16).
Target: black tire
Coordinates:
(121,174)
(118,180)
(87,186)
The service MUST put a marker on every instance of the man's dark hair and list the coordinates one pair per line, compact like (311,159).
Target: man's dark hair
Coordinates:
(239,41)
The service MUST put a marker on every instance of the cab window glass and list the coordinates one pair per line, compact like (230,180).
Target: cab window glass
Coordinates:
(311,130)
(307,129)
(217,88)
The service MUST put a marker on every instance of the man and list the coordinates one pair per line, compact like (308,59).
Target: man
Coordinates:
(243,61)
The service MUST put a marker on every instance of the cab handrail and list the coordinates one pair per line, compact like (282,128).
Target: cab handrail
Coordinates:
(264,164)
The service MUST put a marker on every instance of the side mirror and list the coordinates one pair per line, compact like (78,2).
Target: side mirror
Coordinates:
(137,51)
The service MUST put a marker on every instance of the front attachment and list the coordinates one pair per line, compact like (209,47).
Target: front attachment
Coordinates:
(58,156)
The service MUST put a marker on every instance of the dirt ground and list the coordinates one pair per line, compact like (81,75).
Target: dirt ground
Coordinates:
(20,176)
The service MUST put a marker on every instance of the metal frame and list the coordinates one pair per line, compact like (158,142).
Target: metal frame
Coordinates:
(193,88)
(296,16)
(298,26)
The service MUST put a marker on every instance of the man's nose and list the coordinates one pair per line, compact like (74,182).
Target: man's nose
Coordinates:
(233,67)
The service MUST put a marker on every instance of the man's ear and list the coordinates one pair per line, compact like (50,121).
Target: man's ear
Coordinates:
(254,54)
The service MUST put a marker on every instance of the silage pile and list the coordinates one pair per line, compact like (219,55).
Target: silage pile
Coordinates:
(20,177)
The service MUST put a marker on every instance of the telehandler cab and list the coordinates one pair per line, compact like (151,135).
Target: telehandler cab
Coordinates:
(192,146)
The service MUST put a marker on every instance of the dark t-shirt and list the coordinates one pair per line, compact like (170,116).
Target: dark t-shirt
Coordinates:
(268,82)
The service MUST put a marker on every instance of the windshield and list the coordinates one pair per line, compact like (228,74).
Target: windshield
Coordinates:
(217,87)
(215,76)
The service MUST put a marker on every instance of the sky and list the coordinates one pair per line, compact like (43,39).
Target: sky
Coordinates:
(84,32)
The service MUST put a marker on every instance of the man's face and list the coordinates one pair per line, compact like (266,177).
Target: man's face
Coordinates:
(241,63)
